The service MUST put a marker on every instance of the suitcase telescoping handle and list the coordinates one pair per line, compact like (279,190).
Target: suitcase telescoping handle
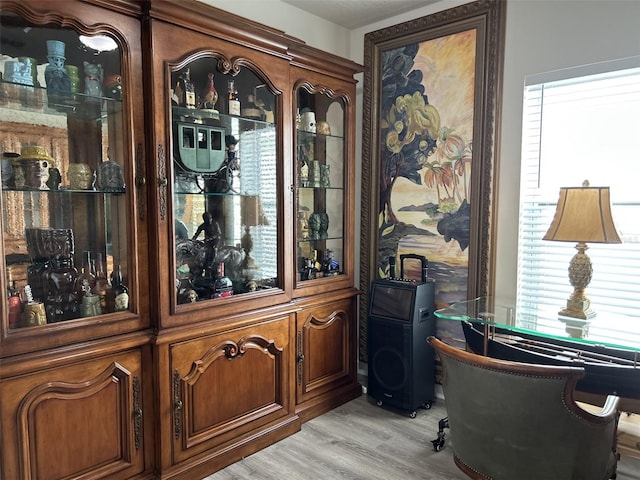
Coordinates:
(423,261)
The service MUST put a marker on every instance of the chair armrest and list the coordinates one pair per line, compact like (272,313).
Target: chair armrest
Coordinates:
(597,414)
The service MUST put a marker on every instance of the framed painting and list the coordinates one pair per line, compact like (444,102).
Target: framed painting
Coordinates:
(432,89)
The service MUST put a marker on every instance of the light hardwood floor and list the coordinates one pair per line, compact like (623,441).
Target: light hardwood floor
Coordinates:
(361,441)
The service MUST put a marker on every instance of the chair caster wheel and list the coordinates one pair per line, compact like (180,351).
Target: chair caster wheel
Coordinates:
(413,414)
(438,444)
(379,403)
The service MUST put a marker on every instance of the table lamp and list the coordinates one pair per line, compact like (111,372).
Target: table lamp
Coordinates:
(583,215)
(252,216)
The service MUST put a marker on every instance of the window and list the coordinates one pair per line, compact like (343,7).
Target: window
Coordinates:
(581,124)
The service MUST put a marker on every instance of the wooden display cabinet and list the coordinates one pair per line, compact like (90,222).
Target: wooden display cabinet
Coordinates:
(223,348)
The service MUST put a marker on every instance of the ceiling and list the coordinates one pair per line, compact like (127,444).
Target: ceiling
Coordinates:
(353,14)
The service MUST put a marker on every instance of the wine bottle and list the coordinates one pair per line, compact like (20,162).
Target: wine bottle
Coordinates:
(189,90)
(102,286)
(233,102)
(120,290)
(86,281)
(15,305)
(184,91)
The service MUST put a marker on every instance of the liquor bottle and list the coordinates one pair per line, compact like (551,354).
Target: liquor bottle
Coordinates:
(86,281)
(15,304)
(222,286)
(185,90)
(210,95)
(120,290)
(233,102)
(189,90)
(102,286)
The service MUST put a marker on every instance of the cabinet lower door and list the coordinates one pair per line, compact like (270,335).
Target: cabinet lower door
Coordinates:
(75,422)
(325,339)
(231,389)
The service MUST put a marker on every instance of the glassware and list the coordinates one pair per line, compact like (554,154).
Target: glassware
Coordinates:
(120,290)
(233,101)
(86,281)
(102,287)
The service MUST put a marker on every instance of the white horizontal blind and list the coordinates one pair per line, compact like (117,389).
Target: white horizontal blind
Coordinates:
(580,127)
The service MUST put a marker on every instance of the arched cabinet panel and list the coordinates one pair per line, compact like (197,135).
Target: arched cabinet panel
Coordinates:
(80,421)
(230,384)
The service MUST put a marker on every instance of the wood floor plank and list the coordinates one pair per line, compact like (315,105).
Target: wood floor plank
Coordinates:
(361,441)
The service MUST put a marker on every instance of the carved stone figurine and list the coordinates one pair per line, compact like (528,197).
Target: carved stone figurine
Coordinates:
(109,177)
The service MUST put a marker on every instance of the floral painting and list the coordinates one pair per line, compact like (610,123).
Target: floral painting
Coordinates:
(431,102)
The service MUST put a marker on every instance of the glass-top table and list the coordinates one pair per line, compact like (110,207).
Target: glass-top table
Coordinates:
(608,348)
(616,332)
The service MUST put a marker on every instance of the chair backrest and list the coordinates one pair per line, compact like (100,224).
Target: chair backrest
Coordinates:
(512,420)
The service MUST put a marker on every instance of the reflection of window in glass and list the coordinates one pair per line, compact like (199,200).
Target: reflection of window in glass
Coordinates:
(259,173)
(580,124)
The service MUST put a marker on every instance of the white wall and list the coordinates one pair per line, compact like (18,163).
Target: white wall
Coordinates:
(541,35)
(313,30)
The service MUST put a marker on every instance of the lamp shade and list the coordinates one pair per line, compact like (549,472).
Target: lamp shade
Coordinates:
(583,214)
(251,211)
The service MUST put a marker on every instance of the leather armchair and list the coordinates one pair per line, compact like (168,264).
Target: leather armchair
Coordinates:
(512,420)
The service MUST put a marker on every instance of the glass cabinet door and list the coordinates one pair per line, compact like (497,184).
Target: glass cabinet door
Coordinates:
(65,202)
(225,183)
(319,186)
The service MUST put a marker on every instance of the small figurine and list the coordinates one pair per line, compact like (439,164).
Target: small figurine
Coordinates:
(93,76)
(109,177)
(324,225)
(304,174)
(330,265)
(303,225)
(54,179)
(189,296)
(323,128)
(314,226)
(80,176)
(231,143)
(212,235)
(113,87)
(6,171)
(325,176)
(58,82)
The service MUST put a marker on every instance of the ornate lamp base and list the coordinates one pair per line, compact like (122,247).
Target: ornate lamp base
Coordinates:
(580,272)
